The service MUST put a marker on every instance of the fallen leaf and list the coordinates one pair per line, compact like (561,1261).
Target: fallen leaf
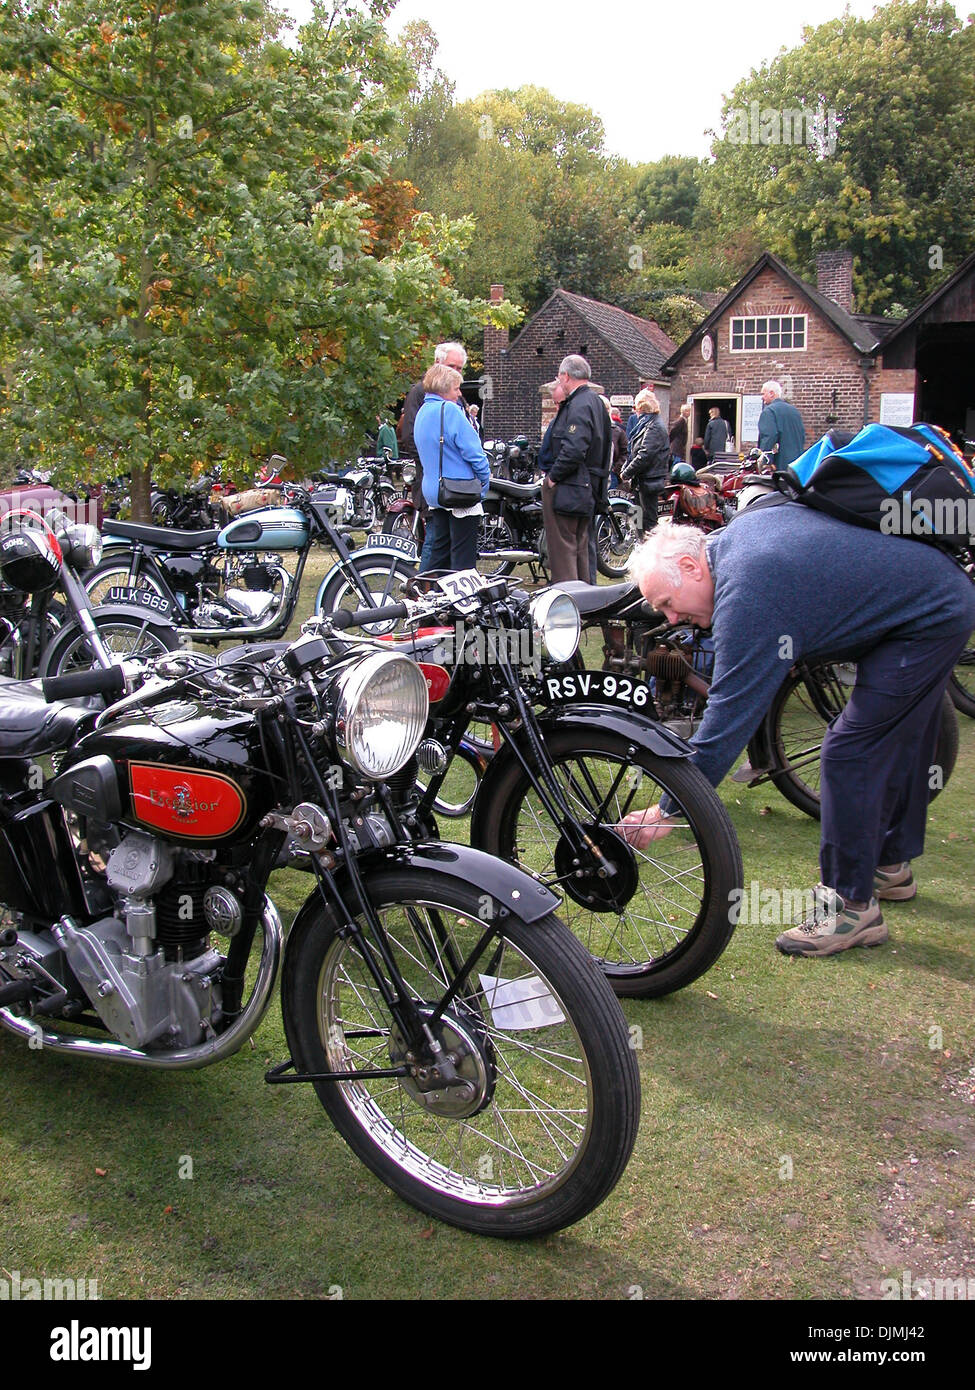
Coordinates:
(101,1172)
(167,1211)
(711,996)
(426,1233)
(765,811)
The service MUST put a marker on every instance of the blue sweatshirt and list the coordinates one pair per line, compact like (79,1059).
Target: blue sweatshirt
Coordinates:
(791,583)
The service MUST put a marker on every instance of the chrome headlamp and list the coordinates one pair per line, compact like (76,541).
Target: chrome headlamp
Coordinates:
(556,622)
(381,711)
(82,545)
(409,473)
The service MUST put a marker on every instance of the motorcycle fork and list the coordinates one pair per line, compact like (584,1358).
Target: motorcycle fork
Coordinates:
(373,945)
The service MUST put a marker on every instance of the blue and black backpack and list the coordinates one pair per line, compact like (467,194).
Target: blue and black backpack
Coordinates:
(902,481)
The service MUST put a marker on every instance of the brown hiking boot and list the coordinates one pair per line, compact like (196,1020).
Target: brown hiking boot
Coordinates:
(895,883)
(833,927)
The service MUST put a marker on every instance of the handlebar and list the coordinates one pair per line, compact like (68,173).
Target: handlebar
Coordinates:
(342,618)
(110,682)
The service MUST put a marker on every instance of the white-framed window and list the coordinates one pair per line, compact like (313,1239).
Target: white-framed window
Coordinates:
(769,333)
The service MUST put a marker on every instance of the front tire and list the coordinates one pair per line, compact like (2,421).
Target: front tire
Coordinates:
(385,579)
(617,533)
(552,1120)
(125,637)
(116,573)
(665,916)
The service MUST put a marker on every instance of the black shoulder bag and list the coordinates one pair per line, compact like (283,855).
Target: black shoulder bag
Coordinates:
(455,492)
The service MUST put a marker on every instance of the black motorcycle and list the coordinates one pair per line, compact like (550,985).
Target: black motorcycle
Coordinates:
(554,772)
(455,1032)
(229,583)
(41,634)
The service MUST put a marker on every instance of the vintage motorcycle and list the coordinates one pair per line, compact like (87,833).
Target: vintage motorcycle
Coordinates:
(44,635)
(229,583)
(454,1031)
(549,769)
(373,491)
(512,531)
(672,666)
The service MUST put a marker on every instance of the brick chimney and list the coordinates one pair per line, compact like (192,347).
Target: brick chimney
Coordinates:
(834,277)
(495,342)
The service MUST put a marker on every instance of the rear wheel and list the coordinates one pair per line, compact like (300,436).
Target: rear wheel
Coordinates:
(493,535)
(798,717)
(538,1127)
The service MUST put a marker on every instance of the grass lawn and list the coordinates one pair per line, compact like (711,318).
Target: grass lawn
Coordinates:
(808,1130)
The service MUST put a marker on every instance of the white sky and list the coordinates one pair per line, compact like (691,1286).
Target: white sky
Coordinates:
(655,74)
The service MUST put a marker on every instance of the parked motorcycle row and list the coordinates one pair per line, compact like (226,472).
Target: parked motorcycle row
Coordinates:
(451,1005)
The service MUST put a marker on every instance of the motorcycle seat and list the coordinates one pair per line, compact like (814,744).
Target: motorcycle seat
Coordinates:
(599,600)
(521,492)
(162,537)
(29,725)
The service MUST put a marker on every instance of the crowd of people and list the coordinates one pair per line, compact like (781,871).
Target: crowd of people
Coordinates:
(584,452)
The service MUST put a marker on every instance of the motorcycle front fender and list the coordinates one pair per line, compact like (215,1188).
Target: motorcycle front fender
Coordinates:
(503,887)
(647,734)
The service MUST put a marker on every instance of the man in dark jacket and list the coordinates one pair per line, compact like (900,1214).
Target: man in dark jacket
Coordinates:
(780,428)
(579,444)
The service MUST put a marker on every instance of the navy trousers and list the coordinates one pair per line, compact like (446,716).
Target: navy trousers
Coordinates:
(450,542)
(877,762)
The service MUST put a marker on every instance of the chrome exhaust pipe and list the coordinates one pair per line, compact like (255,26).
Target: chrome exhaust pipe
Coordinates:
(190,1058)
(518,557)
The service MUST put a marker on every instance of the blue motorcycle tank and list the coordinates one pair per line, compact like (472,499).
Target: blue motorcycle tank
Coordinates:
(269,528)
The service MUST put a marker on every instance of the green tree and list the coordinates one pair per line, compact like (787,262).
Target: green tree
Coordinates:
(667,190)
(864,136)
(186,271)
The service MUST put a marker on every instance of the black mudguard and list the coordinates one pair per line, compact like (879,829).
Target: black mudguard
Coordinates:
(646,733)
(509,888)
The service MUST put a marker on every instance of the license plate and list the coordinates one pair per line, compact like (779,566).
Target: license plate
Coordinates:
(575,687)
(400,544)
(140,598)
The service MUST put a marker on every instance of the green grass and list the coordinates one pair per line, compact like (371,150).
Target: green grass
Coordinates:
(807,1131)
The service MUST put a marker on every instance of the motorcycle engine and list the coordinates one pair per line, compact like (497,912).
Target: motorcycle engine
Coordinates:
(148,968)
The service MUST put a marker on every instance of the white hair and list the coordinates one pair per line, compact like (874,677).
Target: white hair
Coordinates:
(658,554)
(575,367)
(442,350)
(773,388)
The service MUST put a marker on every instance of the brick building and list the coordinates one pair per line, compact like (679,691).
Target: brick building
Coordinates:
(772,325)
(624,352)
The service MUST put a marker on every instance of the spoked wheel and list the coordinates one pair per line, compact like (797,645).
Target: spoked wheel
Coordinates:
(385,578)
(961,686)
(494,535)
(409,528)
(114,573)
(541,1121)
(797,721)
(129,639)
(653,918)
(616,535)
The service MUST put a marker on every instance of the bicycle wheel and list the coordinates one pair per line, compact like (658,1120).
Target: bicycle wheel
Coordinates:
(540,1127)
(662,916)
(798,717)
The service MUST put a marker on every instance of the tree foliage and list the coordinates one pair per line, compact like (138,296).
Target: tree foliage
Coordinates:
(200,256)
(881,161)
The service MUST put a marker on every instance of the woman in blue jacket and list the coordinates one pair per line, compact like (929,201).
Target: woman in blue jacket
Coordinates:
(451,538)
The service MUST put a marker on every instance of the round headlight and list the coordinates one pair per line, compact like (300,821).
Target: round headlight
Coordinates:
(380,714)
(555,619)
(84,546)
(409,473)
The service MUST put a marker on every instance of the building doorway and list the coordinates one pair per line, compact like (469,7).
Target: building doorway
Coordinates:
(945,393)
(729,404)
